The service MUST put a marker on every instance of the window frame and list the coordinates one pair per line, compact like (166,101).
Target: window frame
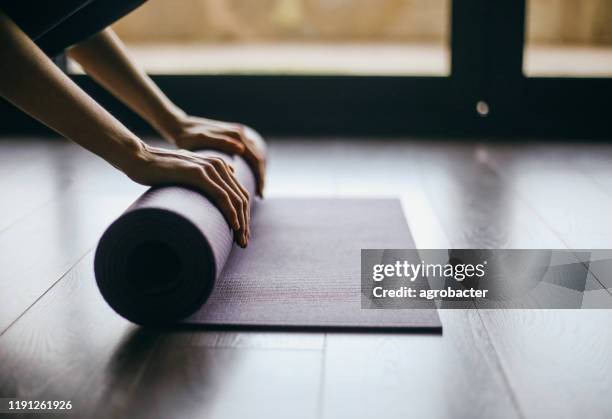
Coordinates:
(487,43)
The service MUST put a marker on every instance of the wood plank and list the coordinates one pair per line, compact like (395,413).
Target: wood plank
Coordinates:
(35,172)
(68,335)
(548,356)
(557,361)
(187,382)
(487,363)
(567,201)
(300,169)
(594,161)
(449,376)
(397,376)
(60,198)
(27,179)
(72,346)
(475,208)
(40,248)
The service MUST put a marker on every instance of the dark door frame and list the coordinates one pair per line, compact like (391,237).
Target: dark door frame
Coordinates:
(487,41)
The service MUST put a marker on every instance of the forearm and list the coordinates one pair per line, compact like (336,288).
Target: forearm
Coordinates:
(105,58)
(33,83)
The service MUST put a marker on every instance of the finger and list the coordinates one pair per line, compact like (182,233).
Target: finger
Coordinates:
(262,178)
(238,184)
(220,197)
(223,165)
(223,143)
(246,214)
(246,199)
(224,170)
(257,164)
(234,133)
(227,170)
(261,170)
(254,144)
(217,175)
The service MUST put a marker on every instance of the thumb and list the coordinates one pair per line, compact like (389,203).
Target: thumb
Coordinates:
(225,145)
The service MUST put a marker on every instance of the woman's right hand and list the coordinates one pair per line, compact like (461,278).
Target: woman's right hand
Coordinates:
(157,166)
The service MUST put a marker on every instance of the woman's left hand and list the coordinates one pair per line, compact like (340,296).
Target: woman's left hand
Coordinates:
(193,133)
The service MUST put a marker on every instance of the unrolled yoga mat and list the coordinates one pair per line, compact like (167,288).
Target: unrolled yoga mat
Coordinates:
(170,258)
(302,268)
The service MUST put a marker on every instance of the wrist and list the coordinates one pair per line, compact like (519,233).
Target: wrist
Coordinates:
(170,123)
(132,155)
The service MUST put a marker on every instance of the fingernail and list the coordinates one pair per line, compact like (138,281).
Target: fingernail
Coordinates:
(239,241)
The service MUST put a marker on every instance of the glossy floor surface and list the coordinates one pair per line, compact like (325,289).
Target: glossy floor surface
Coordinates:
(60,341)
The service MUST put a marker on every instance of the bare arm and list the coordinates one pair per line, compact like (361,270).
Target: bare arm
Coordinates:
(29,80)
(105,58)
(33,83)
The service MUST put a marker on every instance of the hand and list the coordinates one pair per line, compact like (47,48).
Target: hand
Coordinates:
(193,133)
(156,166)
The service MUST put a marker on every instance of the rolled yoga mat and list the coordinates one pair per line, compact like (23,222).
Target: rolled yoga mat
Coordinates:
(158,262)
(169,258)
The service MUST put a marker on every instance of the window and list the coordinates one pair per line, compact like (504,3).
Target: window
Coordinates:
(303,37)
(568,38)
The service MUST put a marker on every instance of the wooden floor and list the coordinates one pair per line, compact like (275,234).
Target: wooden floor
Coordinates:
(60,341)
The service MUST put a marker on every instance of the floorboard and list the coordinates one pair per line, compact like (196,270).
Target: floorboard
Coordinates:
(398,374)
(569,202)
(554,359)
(71,346)
(57,200)
(58,339)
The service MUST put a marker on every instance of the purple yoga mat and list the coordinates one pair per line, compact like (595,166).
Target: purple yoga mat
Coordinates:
(170,259)
(158,262)
(302,268)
